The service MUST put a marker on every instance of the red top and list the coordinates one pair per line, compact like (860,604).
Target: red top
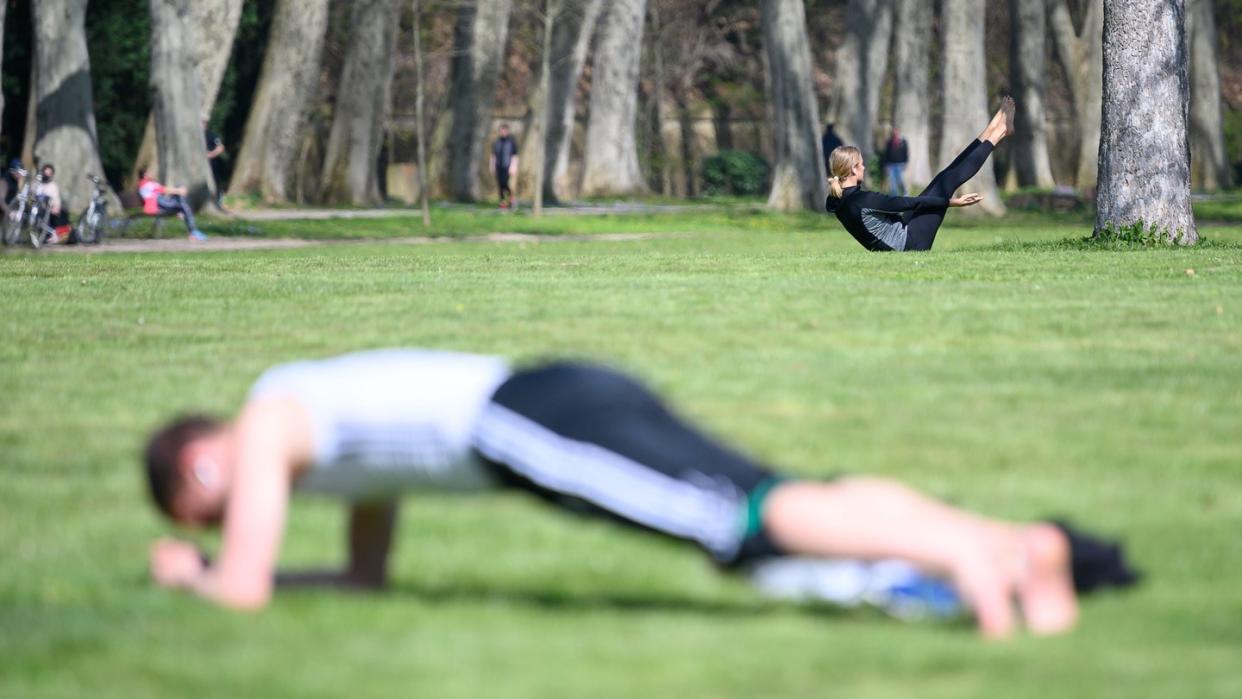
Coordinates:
(150,191)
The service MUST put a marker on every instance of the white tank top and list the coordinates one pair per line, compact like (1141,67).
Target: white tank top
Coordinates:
(388,421)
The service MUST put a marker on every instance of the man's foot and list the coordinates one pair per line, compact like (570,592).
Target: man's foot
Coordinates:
(1009,109)
(1031,564)
(198,235)
(1046,586)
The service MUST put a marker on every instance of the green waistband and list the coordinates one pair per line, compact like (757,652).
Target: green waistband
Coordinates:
(755,501)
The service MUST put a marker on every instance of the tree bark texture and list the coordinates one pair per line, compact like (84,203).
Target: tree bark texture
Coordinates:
(610,158)
(177,104)
(861,63)
(479,40)
(214,25)
(1027,67)
(798,177)
(424,197)
(287,83)
(551,9)
(1210,167)
(965,93)
(1144,156)
(1080,52)
(573,24)
(912,37)
(65,114)
(363,103)
(4,6)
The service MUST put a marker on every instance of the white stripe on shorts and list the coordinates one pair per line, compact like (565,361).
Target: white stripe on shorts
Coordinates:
(611,481)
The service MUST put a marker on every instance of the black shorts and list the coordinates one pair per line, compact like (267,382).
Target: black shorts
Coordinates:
(593,440)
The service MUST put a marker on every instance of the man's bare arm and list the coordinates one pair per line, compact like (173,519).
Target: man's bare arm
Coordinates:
(371,527)
(272,435)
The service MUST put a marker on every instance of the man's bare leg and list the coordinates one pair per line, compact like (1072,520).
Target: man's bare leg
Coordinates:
(989,561)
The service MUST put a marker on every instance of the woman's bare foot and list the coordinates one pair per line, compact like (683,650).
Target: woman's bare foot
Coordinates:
(1001,124)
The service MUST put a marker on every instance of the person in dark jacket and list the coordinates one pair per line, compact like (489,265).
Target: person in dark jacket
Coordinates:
(830,141)
(896,155)
(895,224)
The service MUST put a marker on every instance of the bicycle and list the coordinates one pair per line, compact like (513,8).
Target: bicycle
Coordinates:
(91,224)
(29,214)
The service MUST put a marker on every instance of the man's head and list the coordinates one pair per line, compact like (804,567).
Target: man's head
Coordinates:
(49,171)
(189,466)
(504,130)
(830,127)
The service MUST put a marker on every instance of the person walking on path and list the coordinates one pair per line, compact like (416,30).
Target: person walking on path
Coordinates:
(504,162)
(896,156)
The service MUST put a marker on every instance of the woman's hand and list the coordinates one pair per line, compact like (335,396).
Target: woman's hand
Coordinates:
(966,199)
(175,563)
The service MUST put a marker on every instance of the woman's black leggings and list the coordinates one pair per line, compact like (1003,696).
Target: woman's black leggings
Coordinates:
(922,225)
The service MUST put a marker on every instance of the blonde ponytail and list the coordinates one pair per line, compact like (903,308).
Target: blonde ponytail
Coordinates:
(834,187)
(841,164)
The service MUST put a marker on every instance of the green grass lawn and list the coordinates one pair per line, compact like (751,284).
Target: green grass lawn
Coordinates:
(1005,371)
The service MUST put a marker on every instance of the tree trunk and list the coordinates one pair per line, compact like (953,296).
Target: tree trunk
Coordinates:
(912,108)
(65,117)
(861,63)
(4,6)
(1027,67)
(420,128)
(269,147)
(1080,53)
(177,104)
(214,26)
(610,160)
(363,103)
(572,27)
(1210,169)
(551,9)
(965,93)
(479,38)
(798,178)
(1144,144)
(30,132)
(659,103)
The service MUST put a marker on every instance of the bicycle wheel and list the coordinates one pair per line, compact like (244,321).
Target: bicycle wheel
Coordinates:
(12,228)
(88,229)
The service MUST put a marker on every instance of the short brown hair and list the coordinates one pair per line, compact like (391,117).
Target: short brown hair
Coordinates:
(164,452)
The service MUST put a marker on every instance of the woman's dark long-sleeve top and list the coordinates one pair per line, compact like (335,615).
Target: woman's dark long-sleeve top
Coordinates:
(876,220)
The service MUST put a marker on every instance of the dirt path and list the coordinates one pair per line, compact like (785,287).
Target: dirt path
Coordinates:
(225,244)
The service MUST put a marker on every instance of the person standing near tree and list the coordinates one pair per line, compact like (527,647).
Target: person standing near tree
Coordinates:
(504,162)
(215,149)
(896,155)
(830,142)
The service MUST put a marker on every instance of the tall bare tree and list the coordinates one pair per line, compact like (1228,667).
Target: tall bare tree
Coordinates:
(4,6)
(551,8)
(861,63)
(287,82)
(65,116)
(1027,68)
(363,103)
(912,38)
(177,102)
(420,127)
(1145,142)
(1210,168)
(610,158)
(480,35)
(965,92)
(573,24)
(798,177)
(1080,52)
(214,25)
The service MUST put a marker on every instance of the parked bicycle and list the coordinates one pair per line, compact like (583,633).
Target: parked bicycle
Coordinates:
(28,215)
(94,219)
